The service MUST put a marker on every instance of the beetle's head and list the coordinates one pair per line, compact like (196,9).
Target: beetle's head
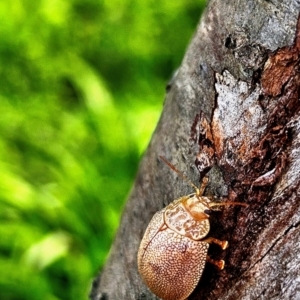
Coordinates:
(197,207)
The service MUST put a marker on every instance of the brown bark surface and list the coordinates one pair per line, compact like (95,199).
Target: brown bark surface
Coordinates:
(233,105)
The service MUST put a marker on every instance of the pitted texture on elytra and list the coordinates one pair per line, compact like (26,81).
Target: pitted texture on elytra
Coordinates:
(157,222)
(178,219)
(171,264)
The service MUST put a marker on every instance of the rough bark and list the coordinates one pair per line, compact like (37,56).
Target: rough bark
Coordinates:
(233,104)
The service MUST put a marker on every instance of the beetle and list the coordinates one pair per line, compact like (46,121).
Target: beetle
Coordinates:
(173,251)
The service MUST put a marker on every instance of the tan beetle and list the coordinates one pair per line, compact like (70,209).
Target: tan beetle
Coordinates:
(173,251)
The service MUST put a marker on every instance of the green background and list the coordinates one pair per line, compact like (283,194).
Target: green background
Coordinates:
(82,84)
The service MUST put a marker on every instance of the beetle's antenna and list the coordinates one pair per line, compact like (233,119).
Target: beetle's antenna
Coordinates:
(212,204)
(198,192)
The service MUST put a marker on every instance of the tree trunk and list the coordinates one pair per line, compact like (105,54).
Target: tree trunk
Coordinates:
(233,110)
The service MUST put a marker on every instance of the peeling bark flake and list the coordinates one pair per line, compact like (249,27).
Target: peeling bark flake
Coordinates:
(281,67)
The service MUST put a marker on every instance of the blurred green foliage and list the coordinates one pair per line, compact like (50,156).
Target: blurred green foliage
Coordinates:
(81,89)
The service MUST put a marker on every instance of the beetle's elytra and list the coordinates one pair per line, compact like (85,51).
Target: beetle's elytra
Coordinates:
(173,251)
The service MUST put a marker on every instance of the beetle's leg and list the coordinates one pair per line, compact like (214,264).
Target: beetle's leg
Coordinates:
(211,240)
(218,263)
(202,188)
